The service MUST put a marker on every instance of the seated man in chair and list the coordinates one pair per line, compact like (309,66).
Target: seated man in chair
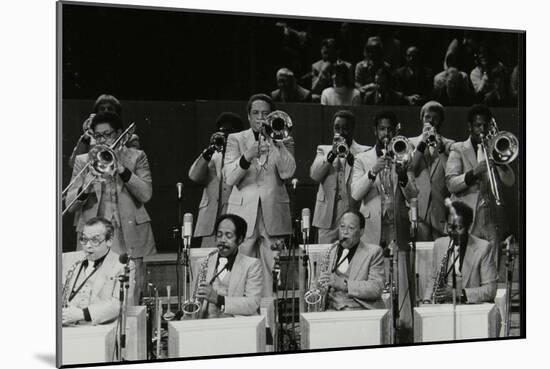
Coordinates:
(356,270)
(91,277)
(475,268)
(231,282)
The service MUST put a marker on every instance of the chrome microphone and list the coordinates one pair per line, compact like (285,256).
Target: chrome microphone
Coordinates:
(306,223)
(294,183)
(187,230)
(414,213)
(179,185)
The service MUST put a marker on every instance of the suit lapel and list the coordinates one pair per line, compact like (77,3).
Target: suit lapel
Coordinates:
(101,275)
(236,274)
(467,264)
(357,261)
(470,153)
(435,163)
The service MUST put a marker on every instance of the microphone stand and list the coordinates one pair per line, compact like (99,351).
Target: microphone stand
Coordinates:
(176,233)
(454,289)
(276,280)
(510,258)
(123,297)
(294,241)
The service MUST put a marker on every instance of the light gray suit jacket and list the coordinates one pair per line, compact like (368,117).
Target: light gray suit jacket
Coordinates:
(325,174)
(209,174)
(245,285)
(100,294)
(479,270)
(254,185)
(366,275)
(462,159)
(369,193)
(132,196)
(430,181)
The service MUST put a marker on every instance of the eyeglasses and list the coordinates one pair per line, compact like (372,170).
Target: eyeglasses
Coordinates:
(104,135)
(94,241)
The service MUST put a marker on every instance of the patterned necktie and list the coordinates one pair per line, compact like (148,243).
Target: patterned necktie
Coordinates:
(221,268)
(343,267)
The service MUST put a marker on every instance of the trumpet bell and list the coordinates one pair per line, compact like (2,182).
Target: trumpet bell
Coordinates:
(504,147)
(103,159)
(401,149)
(342,148)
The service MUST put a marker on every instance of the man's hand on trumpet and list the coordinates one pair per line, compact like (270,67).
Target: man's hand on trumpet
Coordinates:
(256,150)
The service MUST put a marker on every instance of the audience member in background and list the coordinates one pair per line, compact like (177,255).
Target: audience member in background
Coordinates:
(289,90)
(461,51)
(322,70)
(392,46)
(382,92)
(342,92)
(499,94)
(366,69)
(86,141)
(207,171)
(413,79)
(452,88)
(480,75)
(514,85)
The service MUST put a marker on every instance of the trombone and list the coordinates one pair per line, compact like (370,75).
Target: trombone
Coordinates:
(103,159)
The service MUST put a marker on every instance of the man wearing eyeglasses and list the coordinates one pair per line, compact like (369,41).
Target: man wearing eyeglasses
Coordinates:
(90,277)
(355,272)
(233,282)
(468,257)
(118,196)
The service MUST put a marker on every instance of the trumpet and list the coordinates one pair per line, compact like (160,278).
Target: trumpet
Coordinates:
(400,150)
(342,148)
(502,148)
(432,135)
(103,159)
(218,141)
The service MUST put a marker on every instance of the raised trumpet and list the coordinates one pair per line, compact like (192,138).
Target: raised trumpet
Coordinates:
(103,159)
(218,141)
(400,149)
(342,148)
(432,136)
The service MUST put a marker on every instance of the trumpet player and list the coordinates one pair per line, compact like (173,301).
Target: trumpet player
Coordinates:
(469,256)
(257,166)
(233,281)
(118,195)
(207,171)
(467,177)
(428,166)
(355,277)
(90,277)
(332,169)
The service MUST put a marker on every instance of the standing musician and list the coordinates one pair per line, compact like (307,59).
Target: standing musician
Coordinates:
(119,197)
(383,186)
(90,277)
(207,170)
(233,282)
(256,166)
(467,180)
(356,269)
(475,268)
(428,165)
(332,169)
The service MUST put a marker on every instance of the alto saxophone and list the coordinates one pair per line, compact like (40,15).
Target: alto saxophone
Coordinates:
(440,280)
(193,308)
(66,292)
(316,296)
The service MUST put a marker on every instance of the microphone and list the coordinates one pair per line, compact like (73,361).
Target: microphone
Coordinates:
(187,230)
(294,183)
(179,185)
(306,223)
(414,212)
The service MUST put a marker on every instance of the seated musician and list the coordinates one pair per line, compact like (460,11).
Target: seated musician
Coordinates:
(356,275)
(233,281)
(476,271)
(90,277)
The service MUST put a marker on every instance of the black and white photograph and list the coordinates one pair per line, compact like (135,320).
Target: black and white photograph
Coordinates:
(236,183)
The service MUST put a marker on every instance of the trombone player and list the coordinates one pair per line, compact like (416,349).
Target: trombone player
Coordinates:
(117,194)
(467,177)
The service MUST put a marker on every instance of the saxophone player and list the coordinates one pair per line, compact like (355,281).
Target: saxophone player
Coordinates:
(232,282)
(475,268)
(355,277)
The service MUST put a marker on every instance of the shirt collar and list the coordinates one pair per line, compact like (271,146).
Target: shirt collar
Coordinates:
(98,262)
(351,252)
(230,261)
